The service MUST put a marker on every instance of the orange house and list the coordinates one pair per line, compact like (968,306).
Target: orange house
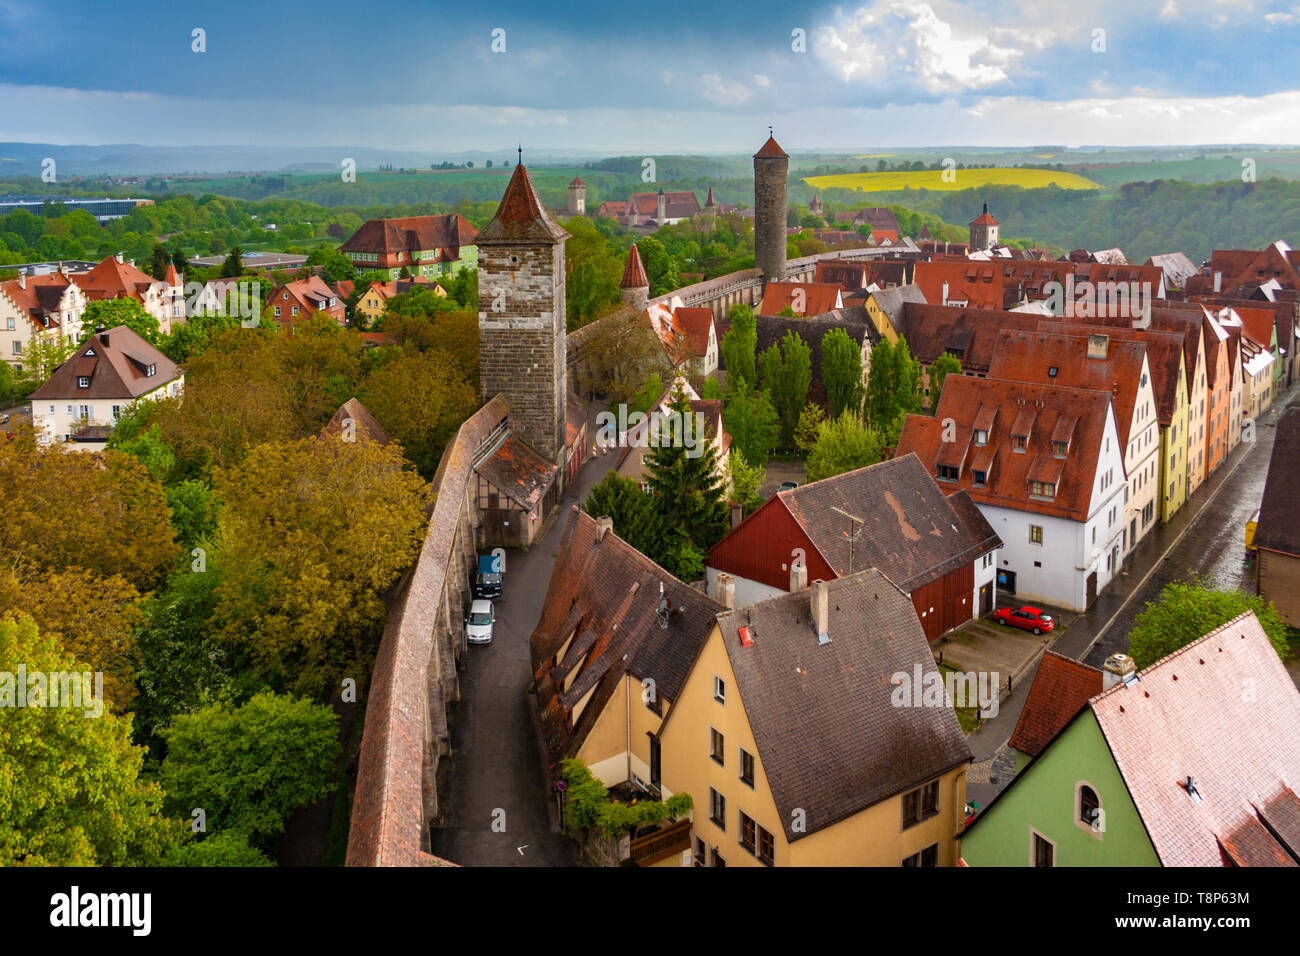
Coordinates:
(1218,394)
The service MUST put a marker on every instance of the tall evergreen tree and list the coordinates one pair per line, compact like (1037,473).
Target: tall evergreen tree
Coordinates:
(690,492)
(841,371)
(786,374)
(738,345)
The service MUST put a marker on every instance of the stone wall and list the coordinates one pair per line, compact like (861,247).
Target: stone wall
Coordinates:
(770,173)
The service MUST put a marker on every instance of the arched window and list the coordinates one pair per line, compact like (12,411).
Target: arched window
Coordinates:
(1089,805)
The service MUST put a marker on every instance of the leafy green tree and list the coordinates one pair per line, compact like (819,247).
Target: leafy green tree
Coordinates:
(636,520)
(841,372)
(785,373)
(111,313)
(660,267)
(193,512)
(650,394)
(686,483)
(421,399)
(739,344)
(593,272)
(810,422)
(250,767)
(151,450)
(335,266)
(940,369)
(752,422)
(227,848)
(746,479)
(1186,611)
(711,390)
(71,792)
(159,262)
(843,444)
(893,384)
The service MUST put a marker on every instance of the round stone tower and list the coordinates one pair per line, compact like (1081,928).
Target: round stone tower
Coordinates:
(771,169)
(577,197)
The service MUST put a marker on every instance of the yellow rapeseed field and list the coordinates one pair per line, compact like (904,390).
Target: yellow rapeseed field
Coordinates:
(960,179)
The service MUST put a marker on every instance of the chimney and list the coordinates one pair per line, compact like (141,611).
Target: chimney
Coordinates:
(798,577)
(22,280)
(724,588)
(737,513)
(604,525)
(945,294)
(1118,669)
(821,611)
(121,257)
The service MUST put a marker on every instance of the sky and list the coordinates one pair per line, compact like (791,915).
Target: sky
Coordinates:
(651,75)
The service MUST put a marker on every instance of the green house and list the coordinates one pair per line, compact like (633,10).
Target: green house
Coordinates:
(1193,761)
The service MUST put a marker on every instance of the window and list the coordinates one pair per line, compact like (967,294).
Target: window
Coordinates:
(719,689)
(948,473)
(117,412)
(151,371)
(1060,448)
(1035,534)
(920,804)
(987,560)
(18,348)
(927,857)
(277,311)
(748,831)
(701,852)
(718,860)
(746,767)
(1043,850)
(1019,442)
(83,381)
(718,809)
(1042,489)
(717,746)
(981,436)
(766,847)
(9,324)
(981,478)
(1089,807)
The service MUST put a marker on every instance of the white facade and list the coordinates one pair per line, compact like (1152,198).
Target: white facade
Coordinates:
(55,419)
(1142,464)
(1052,557)
(18,331)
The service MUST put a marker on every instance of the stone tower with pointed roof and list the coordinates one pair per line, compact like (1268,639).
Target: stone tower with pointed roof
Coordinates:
(771,169)
(983,231)
(521,316)
(710,210)
(577,197)
(635,288)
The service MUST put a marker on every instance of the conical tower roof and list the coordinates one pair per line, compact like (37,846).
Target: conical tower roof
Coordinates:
(771,150)
(634,276)
(521,216)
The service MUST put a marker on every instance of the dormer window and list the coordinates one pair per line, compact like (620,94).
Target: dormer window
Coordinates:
(1060,448)
(980,478)
(948,473)
(981,436)
(83,381)
(149,372)
(1042,489)
(1019,442)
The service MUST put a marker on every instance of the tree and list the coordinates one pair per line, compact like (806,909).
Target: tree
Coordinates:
(660,267)
(711,390)
(745,480)
(739,344)
(633,512)
(227,848)
(593,272)
(843,444)
(618,353)
(72,792)
(159,262)
(940,369)
(110,313)
(1186,611)
(310,535)
(335,266)
(421,399)
(752,422)
(785,373)
(104,512)
(233,266)
(810,422)
(651,392)
(893,385)
(250,767)
(682,474)
(841,372)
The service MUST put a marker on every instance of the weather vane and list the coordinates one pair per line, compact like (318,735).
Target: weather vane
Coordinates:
(521,154)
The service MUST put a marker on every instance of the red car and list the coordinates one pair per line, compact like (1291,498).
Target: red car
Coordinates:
(1029,618)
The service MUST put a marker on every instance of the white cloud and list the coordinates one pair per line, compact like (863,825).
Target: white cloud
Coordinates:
(761,80)
(723,92)
(1169,11)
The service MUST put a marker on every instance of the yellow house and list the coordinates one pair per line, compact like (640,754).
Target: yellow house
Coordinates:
(885,308)
(801,742)
(374,300)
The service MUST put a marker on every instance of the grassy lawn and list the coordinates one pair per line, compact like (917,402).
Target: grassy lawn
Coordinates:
(968,717)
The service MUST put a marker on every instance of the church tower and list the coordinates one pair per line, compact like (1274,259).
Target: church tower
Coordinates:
(521,316)
(984,231)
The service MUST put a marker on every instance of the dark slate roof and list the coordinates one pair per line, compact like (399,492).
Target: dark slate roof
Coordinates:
(521,216)
(912,530)
(1279,513)
(607,594)
(1062,687)
(829,739)
(116,361)
(771,329)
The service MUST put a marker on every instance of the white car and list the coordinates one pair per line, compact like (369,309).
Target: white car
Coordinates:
(478,626)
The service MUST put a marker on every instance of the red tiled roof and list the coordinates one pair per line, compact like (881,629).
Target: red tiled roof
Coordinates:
(38,297)
(519,472)
(818,298)
(931,330)
(980,283)
(770,149)
(411,234)
(1007,480)
(1062,687)
(1187,716)
(521,216)
(112,279)
(693,325)
(634,276)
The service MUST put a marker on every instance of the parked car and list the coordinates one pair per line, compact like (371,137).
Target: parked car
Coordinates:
(478,626)
(489,580)
(1026,617)
(788,486)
